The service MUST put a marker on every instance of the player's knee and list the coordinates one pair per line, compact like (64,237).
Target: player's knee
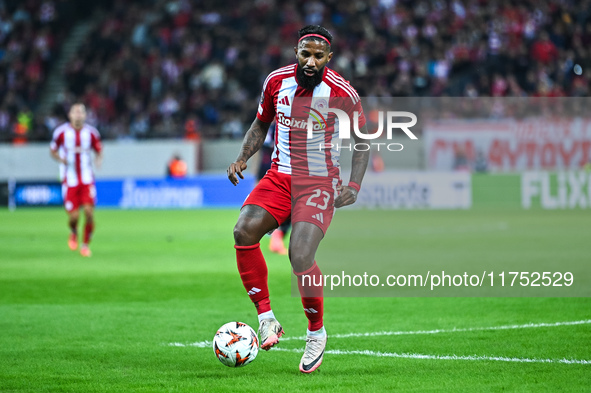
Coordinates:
(242,236)
(300,259)
(88,214)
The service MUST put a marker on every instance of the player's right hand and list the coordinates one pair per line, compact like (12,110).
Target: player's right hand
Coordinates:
(234,169)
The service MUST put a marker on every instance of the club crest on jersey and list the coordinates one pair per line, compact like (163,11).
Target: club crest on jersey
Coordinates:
(298,124)
(320,104)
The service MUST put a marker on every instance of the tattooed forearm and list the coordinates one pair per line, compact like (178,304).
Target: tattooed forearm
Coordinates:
(253,140)
(359,160)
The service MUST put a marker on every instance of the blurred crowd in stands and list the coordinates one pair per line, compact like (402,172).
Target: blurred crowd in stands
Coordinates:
(31,32)
(191,68)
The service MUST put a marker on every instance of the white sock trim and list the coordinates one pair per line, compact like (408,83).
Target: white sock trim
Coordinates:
(266,315)
(317,333)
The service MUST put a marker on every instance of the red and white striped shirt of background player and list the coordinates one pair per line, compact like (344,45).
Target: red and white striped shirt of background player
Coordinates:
(277,99)
(76,147)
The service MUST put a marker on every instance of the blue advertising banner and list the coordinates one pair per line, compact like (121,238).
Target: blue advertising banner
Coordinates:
(38,194)
(201,191)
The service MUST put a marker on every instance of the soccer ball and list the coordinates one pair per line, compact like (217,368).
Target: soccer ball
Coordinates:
(235,344)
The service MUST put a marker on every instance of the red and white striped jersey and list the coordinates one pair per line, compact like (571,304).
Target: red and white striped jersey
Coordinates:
(75,146)
(293,152)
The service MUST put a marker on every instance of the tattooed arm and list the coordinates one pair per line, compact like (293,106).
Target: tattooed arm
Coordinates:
(348,195)
(253,140)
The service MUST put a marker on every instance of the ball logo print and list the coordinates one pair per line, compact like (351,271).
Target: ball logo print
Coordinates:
(235,344)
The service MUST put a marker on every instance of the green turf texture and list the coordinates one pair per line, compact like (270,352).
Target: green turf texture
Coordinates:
(69,324)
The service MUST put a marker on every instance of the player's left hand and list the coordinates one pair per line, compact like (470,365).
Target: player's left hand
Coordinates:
(347,196)
(234,169)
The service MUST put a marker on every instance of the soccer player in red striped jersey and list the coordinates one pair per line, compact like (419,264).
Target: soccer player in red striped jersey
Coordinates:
(296,160)
(72,147)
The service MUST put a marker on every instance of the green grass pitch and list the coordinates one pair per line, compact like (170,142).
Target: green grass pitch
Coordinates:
(104,324)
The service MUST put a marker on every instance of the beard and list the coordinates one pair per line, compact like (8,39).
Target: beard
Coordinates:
(309,82)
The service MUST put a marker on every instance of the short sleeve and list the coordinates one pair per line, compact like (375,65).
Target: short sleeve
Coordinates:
(352,104)
(359,109)
(95,141)
(57,140)
(266,111)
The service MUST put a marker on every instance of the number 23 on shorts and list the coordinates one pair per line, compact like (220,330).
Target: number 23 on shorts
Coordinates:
(319,199)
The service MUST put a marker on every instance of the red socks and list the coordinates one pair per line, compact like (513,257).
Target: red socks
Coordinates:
(253,272)
(88,228)
(311,289)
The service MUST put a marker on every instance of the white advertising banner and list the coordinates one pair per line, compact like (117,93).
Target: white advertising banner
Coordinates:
(562,190)
(415,190)
(508,145)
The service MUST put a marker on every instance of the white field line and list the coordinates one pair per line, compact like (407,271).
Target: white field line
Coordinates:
(207,344)
(442,357)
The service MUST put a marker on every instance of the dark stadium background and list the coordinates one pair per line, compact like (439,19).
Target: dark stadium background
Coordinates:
(154,69)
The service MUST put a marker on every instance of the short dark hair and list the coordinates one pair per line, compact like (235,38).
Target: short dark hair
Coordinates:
(315,29)
(78,103)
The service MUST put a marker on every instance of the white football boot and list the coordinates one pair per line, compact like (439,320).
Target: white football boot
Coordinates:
(270,331)
(314,352)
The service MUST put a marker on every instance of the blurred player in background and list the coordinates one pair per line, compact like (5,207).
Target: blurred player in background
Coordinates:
(276,244)
(276,197)
(72,146)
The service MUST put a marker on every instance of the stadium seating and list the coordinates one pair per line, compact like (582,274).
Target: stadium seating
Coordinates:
(157,69)
(31,33)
